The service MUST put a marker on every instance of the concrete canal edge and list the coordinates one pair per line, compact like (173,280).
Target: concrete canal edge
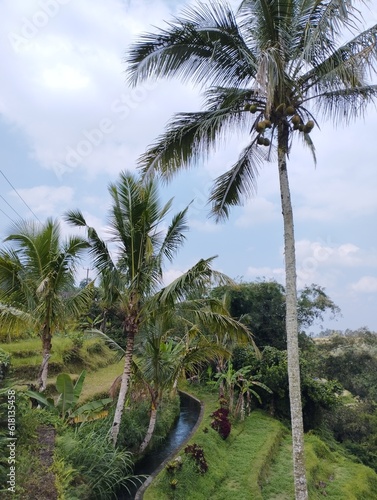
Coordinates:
(140,492)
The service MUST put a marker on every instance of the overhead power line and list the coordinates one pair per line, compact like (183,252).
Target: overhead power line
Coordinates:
(9,205)
(18,194)
(6,215)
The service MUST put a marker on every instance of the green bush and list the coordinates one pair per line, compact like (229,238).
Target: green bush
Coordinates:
(355,426)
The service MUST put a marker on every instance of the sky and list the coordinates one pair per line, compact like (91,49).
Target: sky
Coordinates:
(70,123)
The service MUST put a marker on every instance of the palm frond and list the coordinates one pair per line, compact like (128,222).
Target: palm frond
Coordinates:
(75,218)
(120,352)
(98,248)
(345,67)
(198,46)
(175,237)
(196,278)
(224,324)
(79,301)
(307,140)
(13,317)
(321,23)
(189,137)
(239,181)
(346,104)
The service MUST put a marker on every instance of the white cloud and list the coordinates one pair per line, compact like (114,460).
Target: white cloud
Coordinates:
(47,200)
(73,81)
(366,284)
(325,254)
(64,77)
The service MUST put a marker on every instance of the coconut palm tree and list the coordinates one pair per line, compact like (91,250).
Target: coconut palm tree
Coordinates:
(37,275)
(267,69)
(134,267)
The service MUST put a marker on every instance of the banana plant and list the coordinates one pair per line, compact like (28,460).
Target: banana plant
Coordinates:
(66,405)
(239,381)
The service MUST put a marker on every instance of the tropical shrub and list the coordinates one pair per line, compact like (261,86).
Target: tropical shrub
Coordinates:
(196,452)
(66,405)
(135,422)
(220,420)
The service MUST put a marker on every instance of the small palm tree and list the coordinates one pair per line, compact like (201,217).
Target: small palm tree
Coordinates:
(162,362)
(133,271)
(268,69)
(180,341)
(37,275)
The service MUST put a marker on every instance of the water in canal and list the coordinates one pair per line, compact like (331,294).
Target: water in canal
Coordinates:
(188,416)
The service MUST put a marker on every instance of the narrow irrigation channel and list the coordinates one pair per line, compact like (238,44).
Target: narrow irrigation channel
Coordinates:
(189,416)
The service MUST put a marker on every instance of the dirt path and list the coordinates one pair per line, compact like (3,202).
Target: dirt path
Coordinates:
(41,485)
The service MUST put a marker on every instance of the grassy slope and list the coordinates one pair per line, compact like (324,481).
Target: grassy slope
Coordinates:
(93,356)
(255,463)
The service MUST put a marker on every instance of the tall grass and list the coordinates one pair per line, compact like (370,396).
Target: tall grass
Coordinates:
(94,467)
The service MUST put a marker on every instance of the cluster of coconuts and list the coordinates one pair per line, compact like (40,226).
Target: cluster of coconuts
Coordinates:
(298,125)
(281,109)
(261,127)
(297,122)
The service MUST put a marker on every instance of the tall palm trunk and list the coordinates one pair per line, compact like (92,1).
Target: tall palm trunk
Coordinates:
(46,353)
(151,427)
(291,321)
(130,328)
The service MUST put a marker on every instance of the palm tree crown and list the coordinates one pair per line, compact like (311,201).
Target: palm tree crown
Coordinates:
(37,274)
(266,70)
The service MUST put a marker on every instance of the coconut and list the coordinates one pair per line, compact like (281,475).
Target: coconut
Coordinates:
(267,123)
(260,126)
(309,127)
(301,127)
(260,140)
(253,108)
(296,120)
(246,107)
(266,142)
(290,110)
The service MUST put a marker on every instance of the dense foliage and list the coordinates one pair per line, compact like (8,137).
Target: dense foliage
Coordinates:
(261,306)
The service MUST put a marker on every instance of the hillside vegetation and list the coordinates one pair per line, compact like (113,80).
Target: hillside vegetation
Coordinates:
(255,462)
